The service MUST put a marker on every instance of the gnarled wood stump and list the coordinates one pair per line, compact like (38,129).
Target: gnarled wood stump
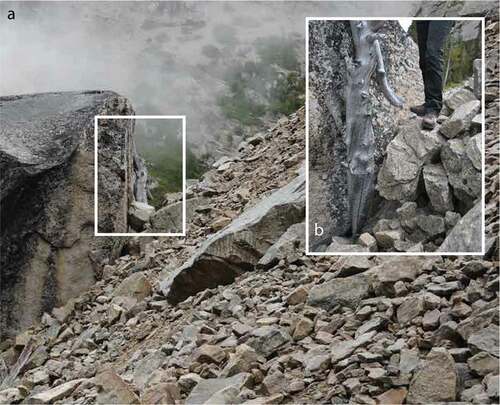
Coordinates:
(359,136)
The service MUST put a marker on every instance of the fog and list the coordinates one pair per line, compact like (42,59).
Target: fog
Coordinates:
(168,58)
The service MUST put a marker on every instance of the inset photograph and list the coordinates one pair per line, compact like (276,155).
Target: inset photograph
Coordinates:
(394,136)
(140,175)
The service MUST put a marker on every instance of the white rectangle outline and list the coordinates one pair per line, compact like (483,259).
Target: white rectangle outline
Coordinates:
(483,79)
(131,117)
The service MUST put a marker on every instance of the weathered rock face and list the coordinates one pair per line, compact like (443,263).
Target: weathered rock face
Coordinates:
(330,45)
(116,174)
(47,194)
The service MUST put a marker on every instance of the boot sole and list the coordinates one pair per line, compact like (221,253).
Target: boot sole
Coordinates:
(428,126)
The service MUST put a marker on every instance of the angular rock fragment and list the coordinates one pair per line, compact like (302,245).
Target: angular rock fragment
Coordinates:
(466,234)
(55,394)
(410,309)
(432,225)
(113,390)
(387,239)
(483,363)
(348,291)
(135,286)
(168,219)
(289,246)
(163,393)
(460,120)
(405,156)
(463,177)
(368,241)
(139,214)
(268,339)
(435,380)
(206,388)
(485,339)
(458,97)
(437,188)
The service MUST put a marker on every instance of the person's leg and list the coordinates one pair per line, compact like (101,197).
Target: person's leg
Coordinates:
(436,37)
(421,28)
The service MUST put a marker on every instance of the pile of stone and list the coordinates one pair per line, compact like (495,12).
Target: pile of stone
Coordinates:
(272,324)
(307,330)
(433,179)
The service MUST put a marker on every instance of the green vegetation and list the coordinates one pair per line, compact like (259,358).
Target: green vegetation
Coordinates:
(160,146)
(459,58)
(273,83)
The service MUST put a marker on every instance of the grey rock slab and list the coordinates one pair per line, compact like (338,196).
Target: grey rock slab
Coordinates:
(466,234)
(41,131)
(348,291)
(206,388)
(135,286)
(239,246)
(344,349)
(268,339)
(479,319)
(492,383)
(393,269)
(54,394)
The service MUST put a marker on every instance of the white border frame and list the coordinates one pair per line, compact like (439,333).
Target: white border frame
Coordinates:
(483,71)
(147,117)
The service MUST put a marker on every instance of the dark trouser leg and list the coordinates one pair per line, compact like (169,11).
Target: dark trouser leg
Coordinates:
(436,37)
(422,30)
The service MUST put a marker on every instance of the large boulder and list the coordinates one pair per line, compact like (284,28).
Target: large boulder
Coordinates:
(47,198)
(406,154)
(330,49)
(239,246)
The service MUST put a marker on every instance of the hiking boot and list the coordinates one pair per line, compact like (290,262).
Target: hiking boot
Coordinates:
(418,109)
(429,120)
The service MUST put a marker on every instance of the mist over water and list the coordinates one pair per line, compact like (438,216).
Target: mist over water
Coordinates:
(168,58)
